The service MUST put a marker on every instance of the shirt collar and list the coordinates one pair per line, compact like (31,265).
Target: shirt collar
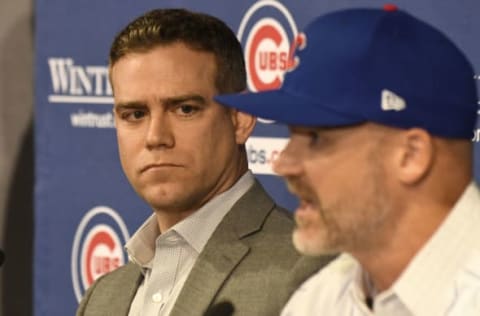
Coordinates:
(354,281)
(141,246)
(196,229)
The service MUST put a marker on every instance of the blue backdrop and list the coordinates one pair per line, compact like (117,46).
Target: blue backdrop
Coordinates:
(84,207)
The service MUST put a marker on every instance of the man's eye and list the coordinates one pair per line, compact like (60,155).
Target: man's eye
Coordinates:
(186,110)
(138,114)
(133,115)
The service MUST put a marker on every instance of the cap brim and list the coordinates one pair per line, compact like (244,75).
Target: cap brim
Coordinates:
(285,108)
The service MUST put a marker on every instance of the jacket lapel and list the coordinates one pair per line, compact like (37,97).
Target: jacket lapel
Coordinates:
(122,292)
(223,252)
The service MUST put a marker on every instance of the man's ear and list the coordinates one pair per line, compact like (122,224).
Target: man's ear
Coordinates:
(414,156)
(244,124)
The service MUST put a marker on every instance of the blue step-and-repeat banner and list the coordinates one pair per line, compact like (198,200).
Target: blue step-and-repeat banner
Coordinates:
(85,209)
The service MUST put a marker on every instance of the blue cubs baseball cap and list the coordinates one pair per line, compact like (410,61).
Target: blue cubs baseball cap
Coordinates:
(372,65)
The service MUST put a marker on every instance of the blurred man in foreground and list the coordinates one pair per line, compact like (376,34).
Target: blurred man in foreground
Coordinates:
(216,243)
(381,108)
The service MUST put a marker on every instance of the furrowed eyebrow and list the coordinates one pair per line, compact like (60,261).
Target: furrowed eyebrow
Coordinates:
(128,105)
(184,98)
(169,102)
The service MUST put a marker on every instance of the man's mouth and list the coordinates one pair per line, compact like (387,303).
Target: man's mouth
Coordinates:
(305,206)
(159,166)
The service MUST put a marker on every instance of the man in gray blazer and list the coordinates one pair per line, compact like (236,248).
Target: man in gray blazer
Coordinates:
(216,243)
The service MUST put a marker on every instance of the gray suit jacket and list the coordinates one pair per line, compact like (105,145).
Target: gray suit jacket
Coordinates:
(249,263)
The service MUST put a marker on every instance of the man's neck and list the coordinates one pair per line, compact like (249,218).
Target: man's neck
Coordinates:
(168,218)
(401,242)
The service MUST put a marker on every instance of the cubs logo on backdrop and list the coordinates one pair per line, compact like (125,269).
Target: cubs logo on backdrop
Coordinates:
(97,247)
(266,32)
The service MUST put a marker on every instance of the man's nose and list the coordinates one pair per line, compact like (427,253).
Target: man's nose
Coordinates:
(160,132)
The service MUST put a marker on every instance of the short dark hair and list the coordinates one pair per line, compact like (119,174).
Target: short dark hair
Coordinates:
(196,30)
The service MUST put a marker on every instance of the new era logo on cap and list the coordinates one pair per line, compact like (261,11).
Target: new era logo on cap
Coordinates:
(392,102)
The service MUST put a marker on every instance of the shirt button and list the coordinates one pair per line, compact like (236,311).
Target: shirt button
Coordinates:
(157,298)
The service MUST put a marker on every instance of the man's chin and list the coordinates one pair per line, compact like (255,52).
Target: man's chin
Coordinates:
(311,244)
(164,201)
